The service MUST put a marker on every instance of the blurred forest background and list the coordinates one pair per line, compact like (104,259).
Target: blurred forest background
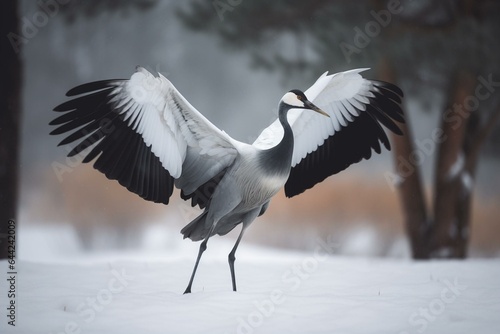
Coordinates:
(233,60)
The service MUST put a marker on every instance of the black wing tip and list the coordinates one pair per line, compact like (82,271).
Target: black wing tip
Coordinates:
(60,108)
(294,191)
(54,133)
(133,166)
(390,86)
(93,86)
(398,132)
(387,106)
(345,148)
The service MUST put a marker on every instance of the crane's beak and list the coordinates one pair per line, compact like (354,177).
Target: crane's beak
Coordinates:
(311,106)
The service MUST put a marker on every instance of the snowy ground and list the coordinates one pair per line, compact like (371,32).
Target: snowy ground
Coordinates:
(279,292)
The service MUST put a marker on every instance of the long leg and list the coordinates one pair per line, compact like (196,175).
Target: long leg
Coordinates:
(232,258)
(203,247)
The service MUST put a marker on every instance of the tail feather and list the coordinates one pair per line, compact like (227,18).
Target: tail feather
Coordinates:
(197,229)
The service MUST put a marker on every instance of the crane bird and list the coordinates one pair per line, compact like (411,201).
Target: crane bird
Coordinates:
(143,133)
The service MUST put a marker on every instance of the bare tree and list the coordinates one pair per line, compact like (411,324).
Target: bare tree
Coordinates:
(466,121)
(10,116)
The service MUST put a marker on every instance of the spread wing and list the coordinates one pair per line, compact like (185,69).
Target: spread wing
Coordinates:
(325,146)
(143,133)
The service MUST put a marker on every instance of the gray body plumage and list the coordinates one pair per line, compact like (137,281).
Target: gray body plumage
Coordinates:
(246,188)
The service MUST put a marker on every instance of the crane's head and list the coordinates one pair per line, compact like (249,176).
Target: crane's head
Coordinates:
(296,99)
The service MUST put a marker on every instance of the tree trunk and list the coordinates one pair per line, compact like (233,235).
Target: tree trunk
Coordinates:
(477,132)
(449,201)
(10,112)
(463,204)
(408,180)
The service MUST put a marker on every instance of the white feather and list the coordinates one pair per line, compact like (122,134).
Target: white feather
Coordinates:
(169,124)
(292,100)
(343,96)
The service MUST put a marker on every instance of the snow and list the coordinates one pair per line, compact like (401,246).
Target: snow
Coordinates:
(140,291)
(292,294)
(467,182)
(457,166)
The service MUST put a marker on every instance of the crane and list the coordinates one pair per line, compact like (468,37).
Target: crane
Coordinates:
(143,133)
